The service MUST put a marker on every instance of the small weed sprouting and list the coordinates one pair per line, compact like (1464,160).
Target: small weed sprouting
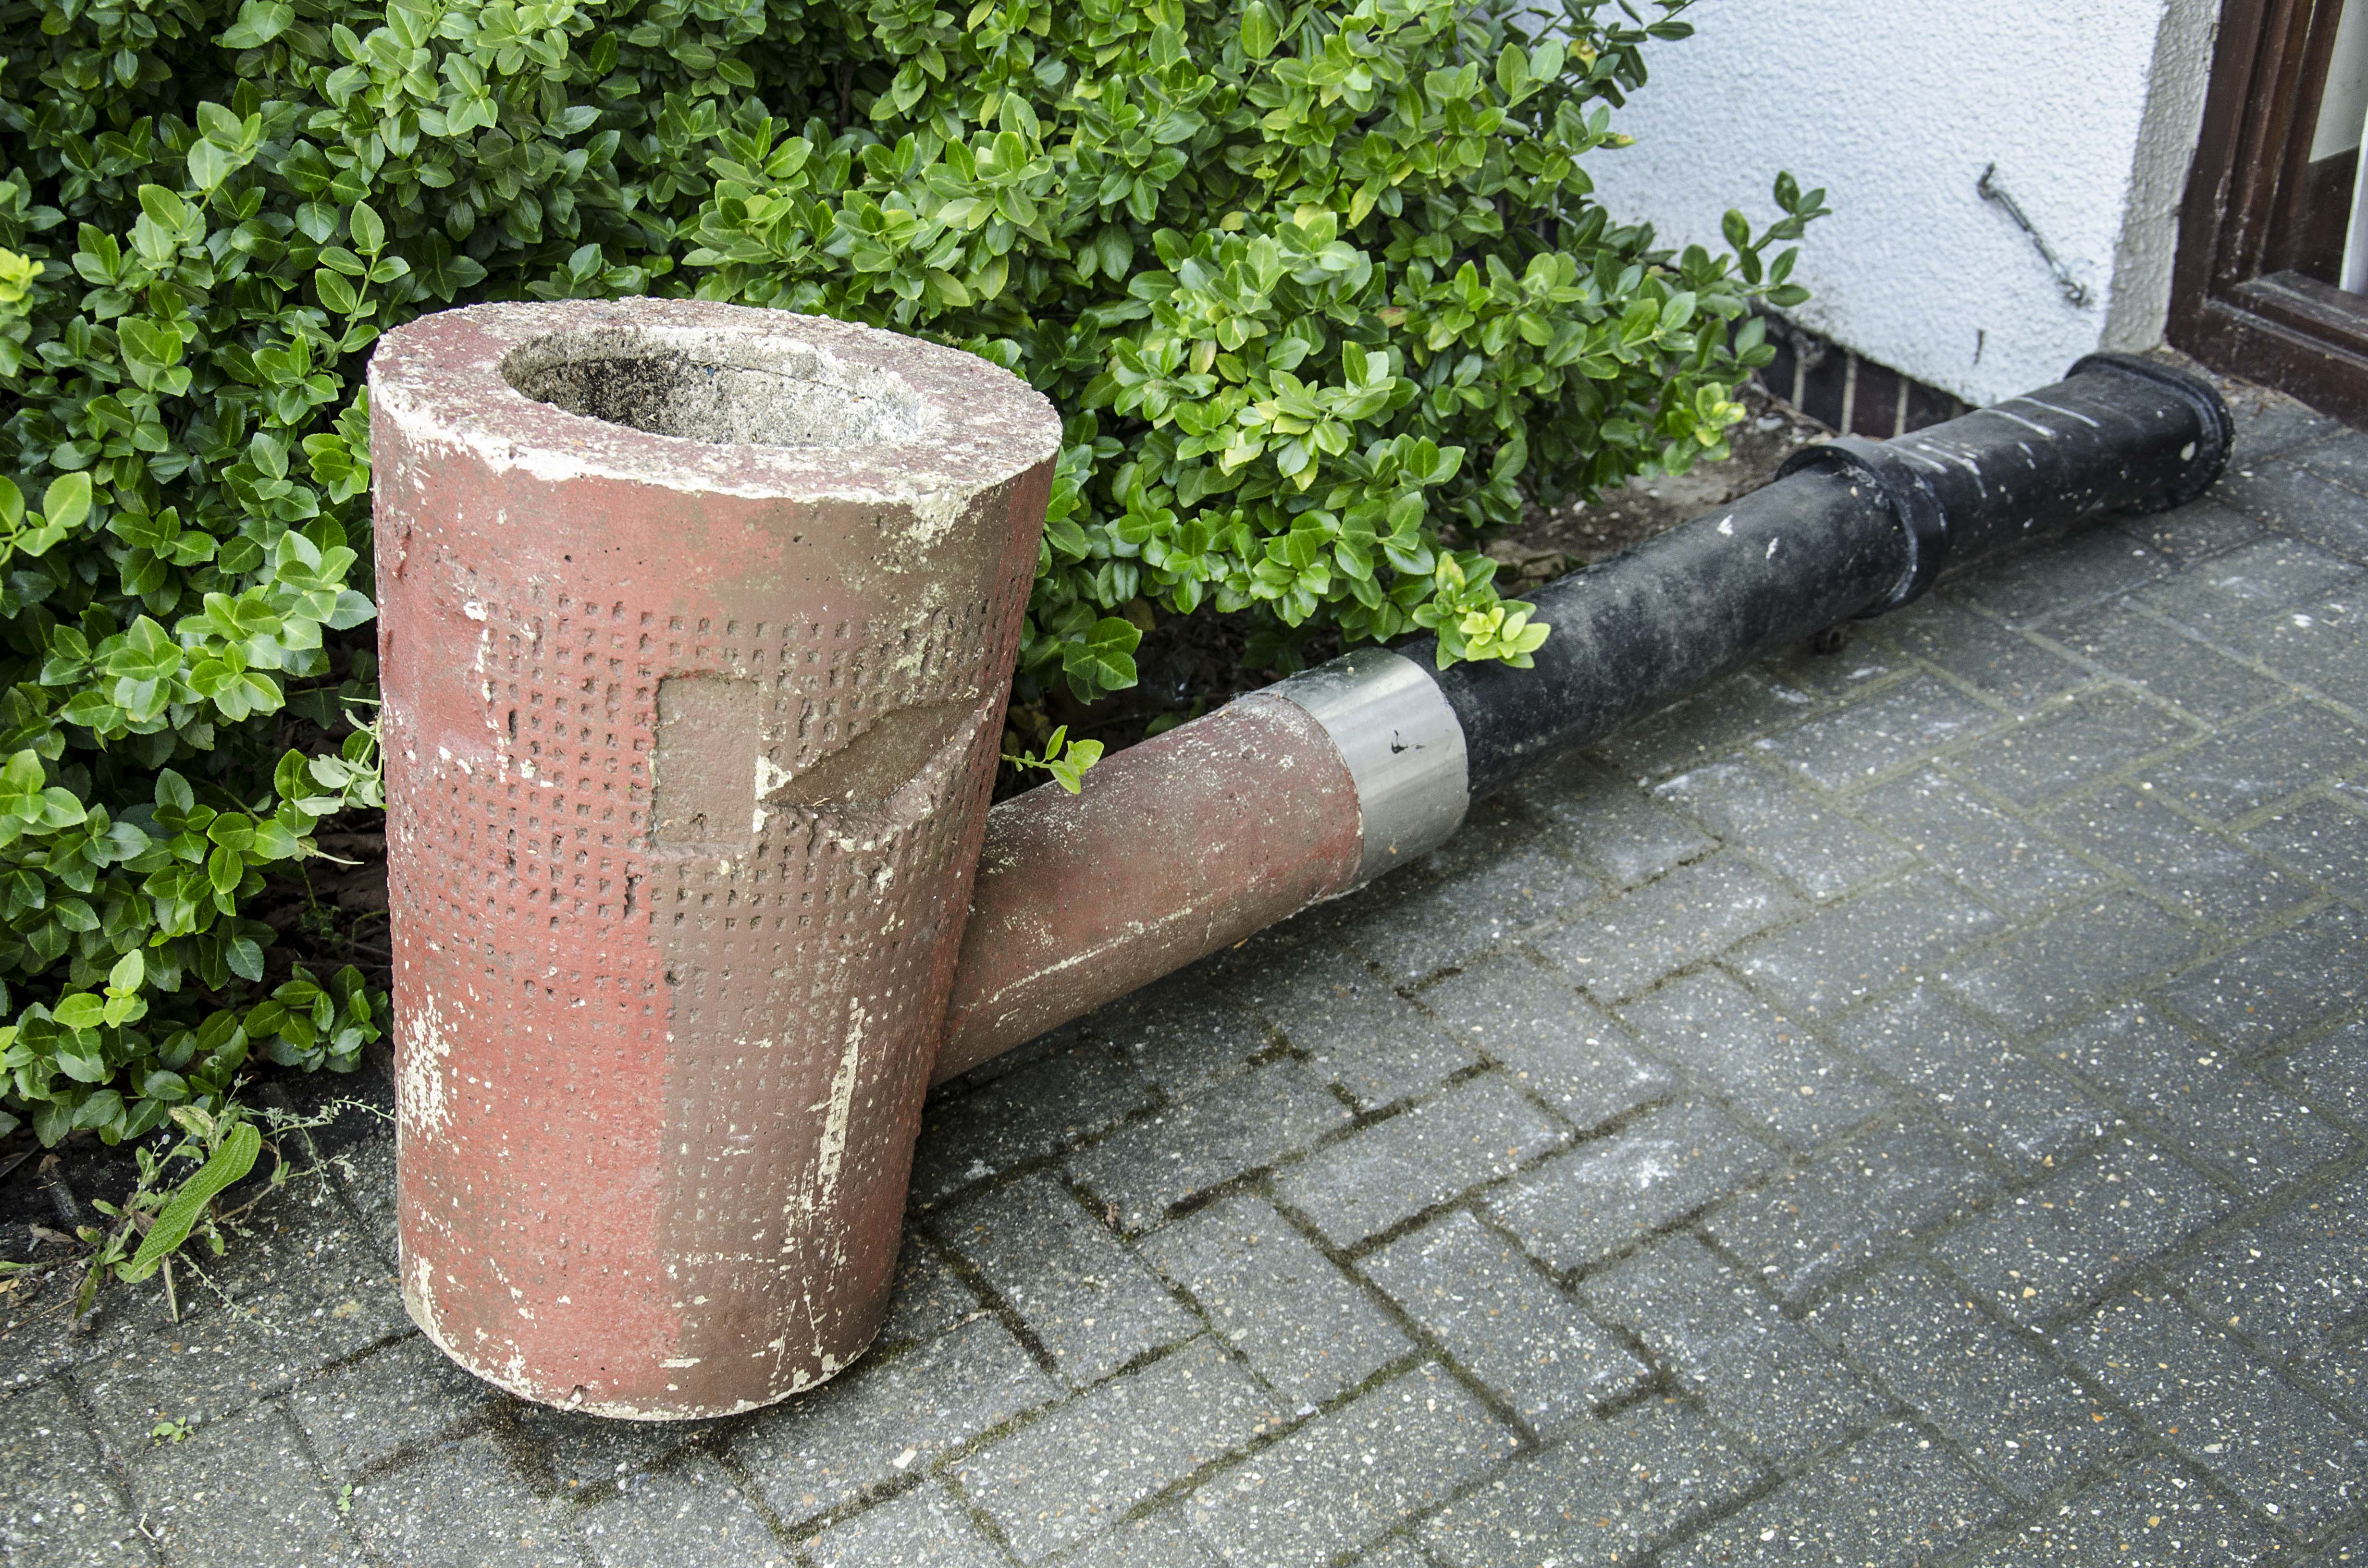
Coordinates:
(175,1198)
(1066,760)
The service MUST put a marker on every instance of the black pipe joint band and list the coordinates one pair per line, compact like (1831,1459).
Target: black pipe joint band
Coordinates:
(1923,521)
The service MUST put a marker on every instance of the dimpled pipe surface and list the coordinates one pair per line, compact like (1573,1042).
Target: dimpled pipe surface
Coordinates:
(697,627)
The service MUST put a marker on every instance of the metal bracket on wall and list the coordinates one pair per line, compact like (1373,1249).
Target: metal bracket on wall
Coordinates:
(2073,289)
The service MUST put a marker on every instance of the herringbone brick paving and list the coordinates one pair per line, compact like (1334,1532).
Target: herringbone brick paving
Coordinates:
(1905,1106)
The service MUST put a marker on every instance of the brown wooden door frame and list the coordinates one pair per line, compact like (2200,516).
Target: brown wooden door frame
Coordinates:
(2237,303)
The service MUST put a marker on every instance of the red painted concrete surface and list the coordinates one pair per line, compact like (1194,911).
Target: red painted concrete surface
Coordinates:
(689,745)
(1256,818)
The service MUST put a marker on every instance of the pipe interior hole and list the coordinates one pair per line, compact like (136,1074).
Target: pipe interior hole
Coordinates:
(746,389)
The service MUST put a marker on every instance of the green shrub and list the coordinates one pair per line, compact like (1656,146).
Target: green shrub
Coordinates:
(1318,287)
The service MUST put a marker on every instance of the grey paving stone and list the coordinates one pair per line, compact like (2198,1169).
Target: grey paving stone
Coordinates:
(403,1396)
(1761,1062)
(921,1528)
(57,1504)
(2293,498)
(1185,1148)
(690,1514)
(2257,1135)
(2295,1281)
(1051,1042)
(1908,721)
(2006,861)
(1504,1323)
(1077,1471)
(1477,1132)
(37,1336)
(2269,423)
(2151,1513)
(2006,1406)
(1355,1030)
(1989,1091)
(1394,1552)
(879,1419)
(246,1479)
(364,1173)
(2069,575)
(1786,829)
(2083,957)
(1811,1223)
(2068,748)
(2198,872)
(1606,1493)
(1303,1325)
(1033,1112)
(2279,754)
(310,1289)
(1855,671)
(587,1450)
(931,1298)
(2340,1373)
(2322,644)
(2169,662)
(1554,1041)
(310,1275)
(1157,1541)
(2061,1244)
(1450,920)
(2348,1550)
(2342,457)
(1696,911)
(2193,1384)
(2331,1070)
(1891,1498)
(1873,941)
(2281,983)
(1181,1032)
(1609,823)
(460,1507)
(2005,663)
(1495,827)
(1352,1474)
(2241,587)
(2320,840)
(1707,725)
(1757,1371)
(1600,1197)
(2194,532)
(1087,1299)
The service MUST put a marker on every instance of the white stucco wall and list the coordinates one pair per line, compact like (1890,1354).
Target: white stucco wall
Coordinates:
(2090,108)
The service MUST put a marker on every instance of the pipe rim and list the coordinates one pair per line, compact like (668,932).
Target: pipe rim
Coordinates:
(2215,424)
(933,421)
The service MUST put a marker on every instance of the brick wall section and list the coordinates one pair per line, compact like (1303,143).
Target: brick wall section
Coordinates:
(1902,1105)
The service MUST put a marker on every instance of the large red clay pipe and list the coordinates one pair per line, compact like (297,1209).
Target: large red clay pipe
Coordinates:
(696,625)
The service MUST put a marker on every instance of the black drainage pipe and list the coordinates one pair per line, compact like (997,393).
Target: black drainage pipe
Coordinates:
(1202,836)
(1849,528)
